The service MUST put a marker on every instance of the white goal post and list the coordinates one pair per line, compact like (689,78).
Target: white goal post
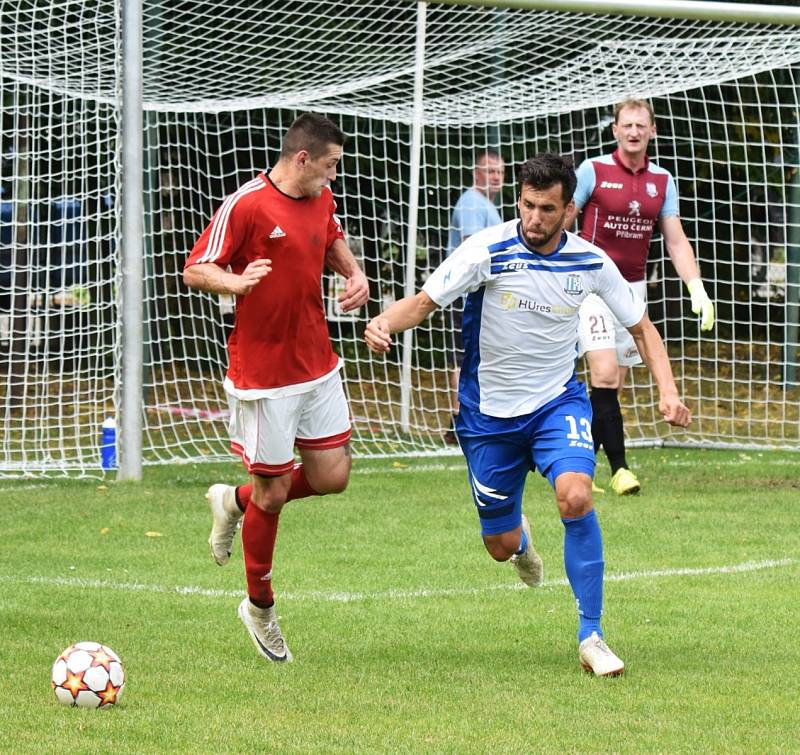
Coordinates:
(418,88)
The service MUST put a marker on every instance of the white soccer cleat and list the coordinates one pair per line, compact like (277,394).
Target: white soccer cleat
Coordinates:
(528,564)
(226,519)
(597,658)
(262,625)
(625,482)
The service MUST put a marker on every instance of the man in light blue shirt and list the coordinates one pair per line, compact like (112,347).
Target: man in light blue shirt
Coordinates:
(474,211)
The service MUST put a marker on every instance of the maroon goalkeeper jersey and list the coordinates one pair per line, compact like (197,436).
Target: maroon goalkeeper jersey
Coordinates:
(621,207)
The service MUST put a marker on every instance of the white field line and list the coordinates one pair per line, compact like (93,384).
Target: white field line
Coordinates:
(355,597)
(406,467)
(410,467)
(29,486)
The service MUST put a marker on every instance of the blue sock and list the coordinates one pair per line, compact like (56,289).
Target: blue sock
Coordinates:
(583,561)
(523,543)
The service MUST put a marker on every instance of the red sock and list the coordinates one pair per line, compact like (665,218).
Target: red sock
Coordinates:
(259,530)
(299,487)
(243,493)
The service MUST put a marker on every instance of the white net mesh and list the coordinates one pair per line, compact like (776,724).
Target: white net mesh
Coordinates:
(222,81)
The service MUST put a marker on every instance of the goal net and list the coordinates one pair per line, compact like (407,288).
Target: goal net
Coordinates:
(222,82)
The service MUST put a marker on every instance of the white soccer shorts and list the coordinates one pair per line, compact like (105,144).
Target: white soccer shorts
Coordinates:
(265,431)
(599,329)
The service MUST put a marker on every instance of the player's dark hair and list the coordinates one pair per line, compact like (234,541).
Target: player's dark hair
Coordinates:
(313,133)
(543,171)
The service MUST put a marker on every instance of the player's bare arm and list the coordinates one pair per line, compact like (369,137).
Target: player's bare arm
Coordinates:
(402,315)
(212,278)
(340,259)
(654,354)
(682,256)
(679,249)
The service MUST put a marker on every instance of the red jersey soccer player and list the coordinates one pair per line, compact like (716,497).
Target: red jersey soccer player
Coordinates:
(622,196)
(277,233)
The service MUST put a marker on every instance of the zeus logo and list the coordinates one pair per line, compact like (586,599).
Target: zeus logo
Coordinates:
(515,266)
(446,279)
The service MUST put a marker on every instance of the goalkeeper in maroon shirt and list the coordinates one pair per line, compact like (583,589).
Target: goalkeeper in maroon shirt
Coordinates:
(276,234)
(621,197)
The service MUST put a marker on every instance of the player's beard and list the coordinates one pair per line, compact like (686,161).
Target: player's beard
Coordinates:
(544,241)
(540,241)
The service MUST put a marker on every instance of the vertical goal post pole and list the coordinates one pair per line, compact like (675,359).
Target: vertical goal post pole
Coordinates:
(132,288)
(413,213)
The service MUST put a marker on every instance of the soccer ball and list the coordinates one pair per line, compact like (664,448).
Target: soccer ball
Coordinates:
(89,675)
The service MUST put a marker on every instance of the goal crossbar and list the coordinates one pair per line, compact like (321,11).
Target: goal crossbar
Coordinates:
(688,9)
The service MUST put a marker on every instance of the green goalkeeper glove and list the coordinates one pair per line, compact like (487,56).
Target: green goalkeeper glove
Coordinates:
(701,304)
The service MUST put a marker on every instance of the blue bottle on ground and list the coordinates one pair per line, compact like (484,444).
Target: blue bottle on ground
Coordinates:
(108,444)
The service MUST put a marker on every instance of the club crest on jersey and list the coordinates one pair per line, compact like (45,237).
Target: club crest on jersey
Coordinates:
(574,285)
(277,233)
(651,189)
(634,208)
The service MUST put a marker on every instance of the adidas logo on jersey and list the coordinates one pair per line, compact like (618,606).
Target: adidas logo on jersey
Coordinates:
(277,233)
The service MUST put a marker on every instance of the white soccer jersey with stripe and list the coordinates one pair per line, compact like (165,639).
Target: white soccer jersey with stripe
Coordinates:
(520,327)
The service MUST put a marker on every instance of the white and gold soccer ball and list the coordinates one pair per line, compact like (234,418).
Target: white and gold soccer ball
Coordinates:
(89,675)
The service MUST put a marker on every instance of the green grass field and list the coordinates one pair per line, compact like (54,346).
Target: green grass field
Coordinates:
(407,637)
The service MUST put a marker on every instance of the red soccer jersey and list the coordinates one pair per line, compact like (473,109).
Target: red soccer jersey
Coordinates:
(621,207)
(280,335)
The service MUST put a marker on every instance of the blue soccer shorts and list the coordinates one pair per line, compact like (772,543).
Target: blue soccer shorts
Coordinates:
(500,452)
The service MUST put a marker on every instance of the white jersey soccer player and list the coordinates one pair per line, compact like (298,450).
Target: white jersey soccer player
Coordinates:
(521,314)
(522,407)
